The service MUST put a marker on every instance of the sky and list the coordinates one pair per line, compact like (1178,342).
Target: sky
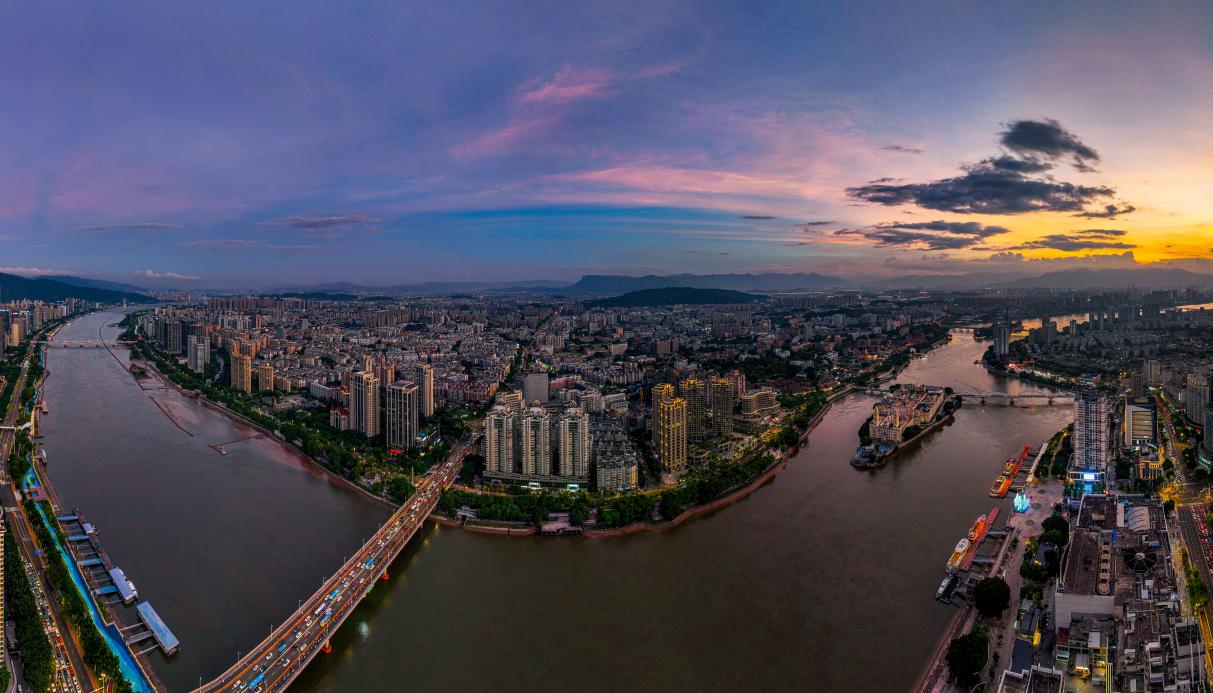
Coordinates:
(237,144)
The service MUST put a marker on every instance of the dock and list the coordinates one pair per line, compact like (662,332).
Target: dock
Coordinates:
(164,637)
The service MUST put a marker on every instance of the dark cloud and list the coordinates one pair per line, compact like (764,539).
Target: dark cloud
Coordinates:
(1048,138)
(1099,233)
(135,226)
(817,223)
(901,149)
(1010,163)
(931,235)
(1108,212)
(1070,244)
(985,189)
(763,217)
(322,222)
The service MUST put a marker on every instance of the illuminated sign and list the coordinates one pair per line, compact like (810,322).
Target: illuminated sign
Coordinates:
(1088,476)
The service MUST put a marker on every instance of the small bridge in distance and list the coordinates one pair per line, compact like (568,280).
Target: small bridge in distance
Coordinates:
(82,343)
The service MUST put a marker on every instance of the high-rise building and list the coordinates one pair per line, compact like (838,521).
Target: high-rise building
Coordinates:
(722,406)
(1137,385)
(1092,437)
(1206,445)
(537,442)
(1153,370)
(660,393)
(265,378)
(402,414)
(574,453)
(425,389)
(385,372)
(364,403)
(499,441)
(199,353)
(1196,398)
(1139,424)
(242,372)
(1002,340)
(694,392)
(535,388)
(671,418)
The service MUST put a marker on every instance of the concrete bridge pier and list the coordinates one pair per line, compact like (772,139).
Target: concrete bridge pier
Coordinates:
(328,647)
(383,576)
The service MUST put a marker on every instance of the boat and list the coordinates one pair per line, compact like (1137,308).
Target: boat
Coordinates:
(946,588)
(1010,470)
(978,529)
(962,547)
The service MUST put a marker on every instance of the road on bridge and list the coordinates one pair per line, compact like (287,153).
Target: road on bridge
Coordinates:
(281,657)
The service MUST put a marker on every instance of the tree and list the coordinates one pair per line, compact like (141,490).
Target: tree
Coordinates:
(967,656)
(992,596)
(399,489)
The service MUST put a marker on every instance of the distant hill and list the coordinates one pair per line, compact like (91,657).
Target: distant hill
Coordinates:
(766,281)
(13,287)
(1145,277)
(674,296)
(96,283)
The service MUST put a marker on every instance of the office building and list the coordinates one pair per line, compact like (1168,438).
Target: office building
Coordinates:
(242,372)
(1139,424)
(401,417)
(364,403)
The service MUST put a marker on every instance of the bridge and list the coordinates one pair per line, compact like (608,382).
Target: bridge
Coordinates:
(1046,398)
(279,659)
(82,343)
(1060,398)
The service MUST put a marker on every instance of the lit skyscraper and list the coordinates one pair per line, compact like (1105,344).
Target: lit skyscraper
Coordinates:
(671,418)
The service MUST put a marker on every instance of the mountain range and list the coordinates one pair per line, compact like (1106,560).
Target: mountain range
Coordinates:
(13,287)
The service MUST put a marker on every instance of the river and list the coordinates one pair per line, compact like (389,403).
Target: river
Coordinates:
(221,545)
(823,580)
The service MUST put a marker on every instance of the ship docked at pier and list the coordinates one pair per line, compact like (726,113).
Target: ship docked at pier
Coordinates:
(1010,470)
(900,420)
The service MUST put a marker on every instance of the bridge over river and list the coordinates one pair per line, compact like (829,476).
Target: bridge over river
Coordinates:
(1058,398)
(279,659)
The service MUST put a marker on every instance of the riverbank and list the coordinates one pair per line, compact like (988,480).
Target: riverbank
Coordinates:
(310,462)
(729,498)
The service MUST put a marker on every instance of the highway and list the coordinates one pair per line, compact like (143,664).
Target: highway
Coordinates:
(70,672)
(274,663)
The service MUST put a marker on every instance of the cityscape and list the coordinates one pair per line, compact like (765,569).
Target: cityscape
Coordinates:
(712,346)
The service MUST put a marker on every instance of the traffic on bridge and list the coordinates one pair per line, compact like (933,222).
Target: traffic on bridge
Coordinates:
(281,657)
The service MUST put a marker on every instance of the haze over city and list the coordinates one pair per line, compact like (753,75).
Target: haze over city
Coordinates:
(229,145)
